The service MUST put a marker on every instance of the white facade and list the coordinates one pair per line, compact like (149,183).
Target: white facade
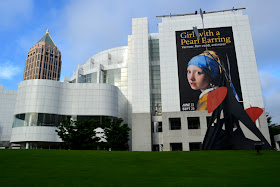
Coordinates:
(7,105)
(140,84)
(37,97)
(62,98)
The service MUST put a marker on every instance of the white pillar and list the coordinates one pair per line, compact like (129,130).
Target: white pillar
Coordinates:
(27,145)
(277,146)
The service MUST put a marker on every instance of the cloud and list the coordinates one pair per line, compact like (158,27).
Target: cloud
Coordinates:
(9,70)
(271,89)
(14,13)
(269,81)
(86,26)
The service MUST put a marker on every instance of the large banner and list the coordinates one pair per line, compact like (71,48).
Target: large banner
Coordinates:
(197,70)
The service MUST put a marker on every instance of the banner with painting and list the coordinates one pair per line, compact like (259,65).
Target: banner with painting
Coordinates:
(198,71)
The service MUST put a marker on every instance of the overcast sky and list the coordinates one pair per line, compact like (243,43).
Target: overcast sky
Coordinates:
(82,28)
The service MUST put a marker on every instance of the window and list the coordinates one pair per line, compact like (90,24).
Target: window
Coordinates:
(156,104)
(195,146)
(82,79)
(38,119)
(193,123)
(175,123)
(154,49)
(155,147)
(176,147)
(157,126)
(155,77)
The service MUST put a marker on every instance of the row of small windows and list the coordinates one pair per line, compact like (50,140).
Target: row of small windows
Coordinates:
(41,50)
(40,57)
(42,77)
(175,124)
(193,146)
(46,73)
(49,66)
(53,64)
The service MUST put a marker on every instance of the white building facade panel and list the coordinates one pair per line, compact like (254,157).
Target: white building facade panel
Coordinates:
(69,99)
(7,105)
(39,97)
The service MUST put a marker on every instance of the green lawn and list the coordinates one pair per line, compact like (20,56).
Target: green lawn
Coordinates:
(102,168)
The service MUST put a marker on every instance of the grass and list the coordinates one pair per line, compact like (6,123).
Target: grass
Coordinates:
(102,168)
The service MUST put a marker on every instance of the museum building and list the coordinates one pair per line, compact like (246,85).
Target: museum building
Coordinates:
(144,83)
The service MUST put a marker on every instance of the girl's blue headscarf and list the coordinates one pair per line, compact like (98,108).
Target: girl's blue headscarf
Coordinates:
(211,67)
(207,64)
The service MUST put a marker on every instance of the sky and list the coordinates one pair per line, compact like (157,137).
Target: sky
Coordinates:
(82,28)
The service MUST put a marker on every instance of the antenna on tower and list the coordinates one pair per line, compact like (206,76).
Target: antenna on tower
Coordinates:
(170,15)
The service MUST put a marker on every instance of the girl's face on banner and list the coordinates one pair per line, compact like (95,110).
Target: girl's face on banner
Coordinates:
(197,78)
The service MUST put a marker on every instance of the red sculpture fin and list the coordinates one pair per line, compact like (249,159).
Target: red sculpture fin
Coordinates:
(215,98)
(254,113)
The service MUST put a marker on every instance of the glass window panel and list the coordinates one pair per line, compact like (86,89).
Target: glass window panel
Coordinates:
(175,123)
(38,119)
(193,123)
(82,79)
(19,120)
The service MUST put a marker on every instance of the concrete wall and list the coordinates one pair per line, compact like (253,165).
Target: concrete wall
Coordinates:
(141,132)
(184,135)
(7,105)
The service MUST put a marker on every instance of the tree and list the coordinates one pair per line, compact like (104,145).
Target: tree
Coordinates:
(78,134)
(116,133)
(273,128)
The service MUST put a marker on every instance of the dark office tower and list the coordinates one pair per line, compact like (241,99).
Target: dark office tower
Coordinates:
(43,60)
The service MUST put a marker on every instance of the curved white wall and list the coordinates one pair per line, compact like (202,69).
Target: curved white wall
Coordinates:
(53,97)
(34,134)
(118,55)
(47,96)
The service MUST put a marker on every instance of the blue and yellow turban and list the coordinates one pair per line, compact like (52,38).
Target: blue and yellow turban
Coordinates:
(207,64)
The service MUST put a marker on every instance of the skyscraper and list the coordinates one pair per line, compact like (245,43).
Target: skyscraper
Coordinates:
(43,60)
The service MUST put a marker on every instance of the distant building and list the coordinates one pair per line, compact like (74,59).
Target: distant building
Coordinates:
(43,60)
(145,83)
